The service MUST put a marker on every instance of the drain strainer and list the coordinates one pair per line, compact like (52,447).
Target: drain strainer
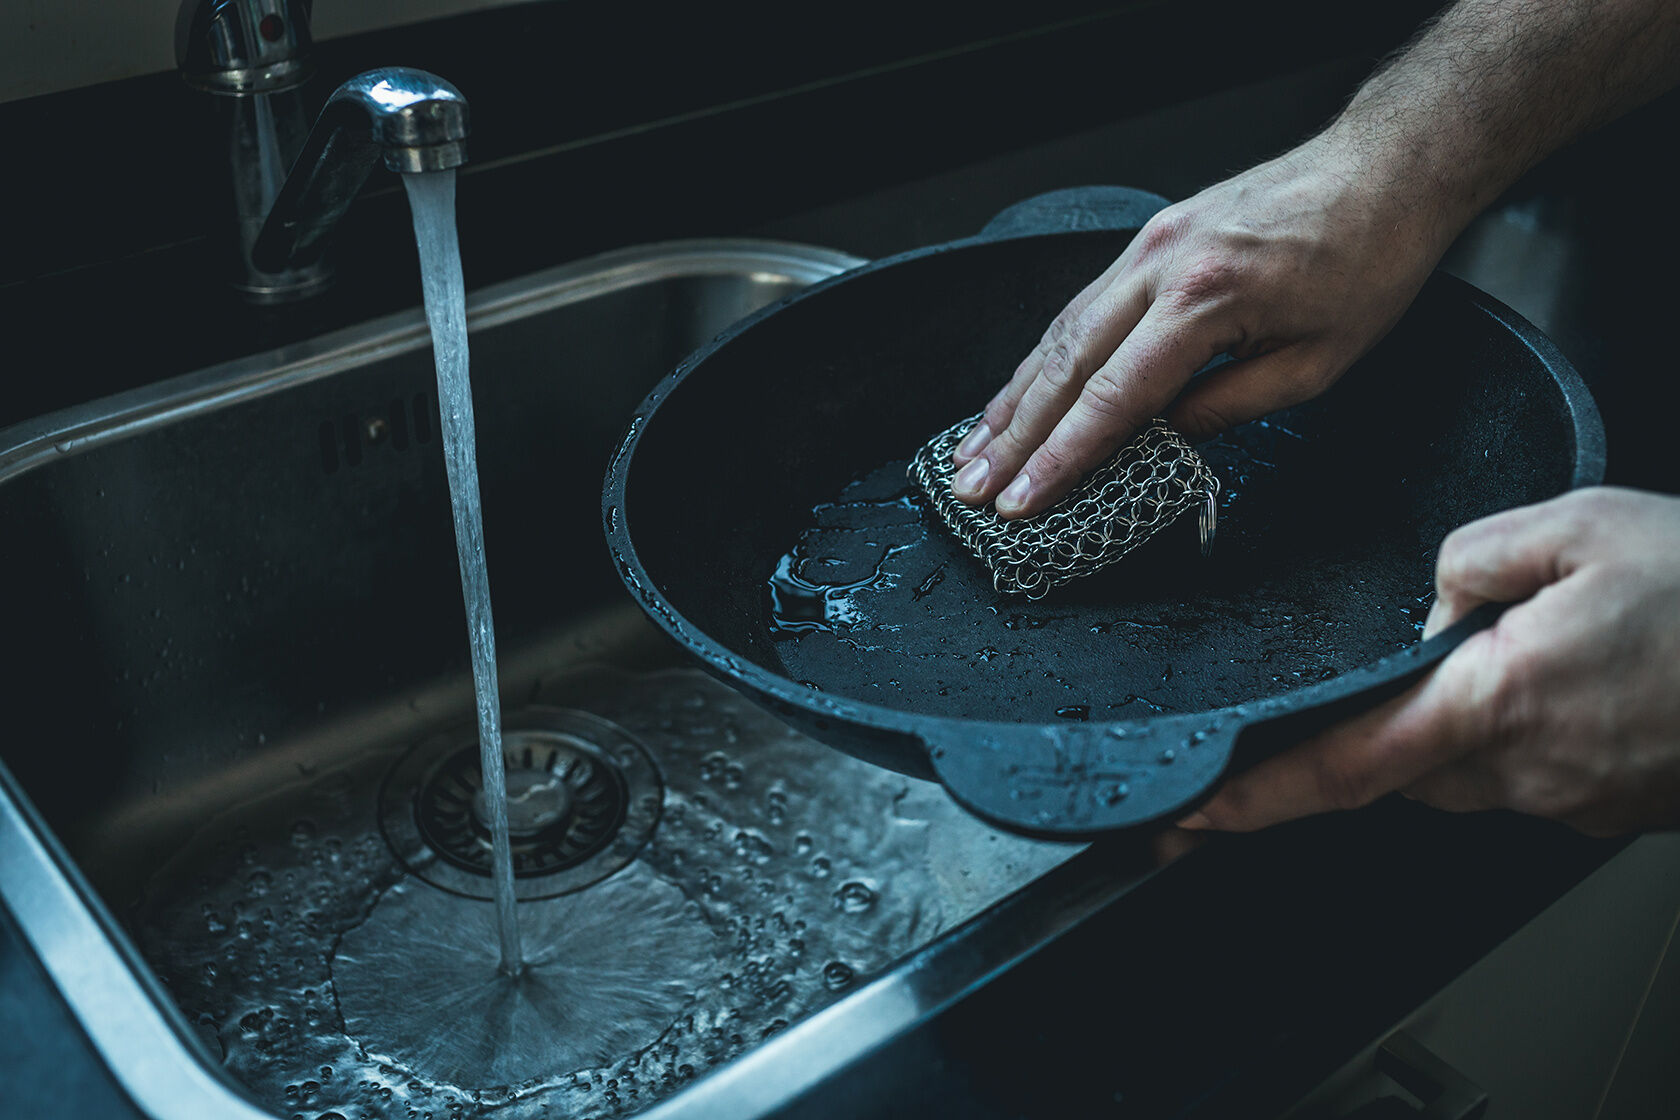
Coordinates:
(583,797)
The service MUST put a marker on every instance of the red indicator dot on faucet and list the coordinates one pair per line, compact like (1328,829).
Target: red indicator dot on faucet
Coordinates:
(272,27)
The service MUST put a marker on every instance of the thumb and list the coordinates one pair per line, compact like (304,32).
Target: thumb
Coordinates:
(1372,754)
(1505,558)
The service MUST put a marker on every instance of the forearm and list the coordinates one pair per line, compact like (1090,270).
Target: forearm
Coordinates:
(1491,88)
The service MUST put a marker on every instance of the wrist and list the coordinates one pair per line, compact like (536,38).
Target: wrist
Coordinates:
(1409,203)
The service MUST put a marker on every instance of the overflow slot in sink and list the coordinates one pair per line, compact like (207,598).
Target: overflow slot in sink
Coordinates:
(583,798)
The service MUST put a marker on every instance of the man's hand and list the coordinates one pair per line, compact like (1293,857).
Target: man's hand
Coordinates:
(1297,267)
(1568,708)
(1294,268)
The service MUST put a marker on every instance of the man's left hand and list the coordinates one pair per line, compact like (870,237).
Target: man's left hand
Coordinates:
(1567,708)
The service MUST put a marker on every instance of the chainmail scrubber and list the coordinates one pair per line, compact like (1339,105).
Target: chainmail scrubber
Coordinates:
(1147,485)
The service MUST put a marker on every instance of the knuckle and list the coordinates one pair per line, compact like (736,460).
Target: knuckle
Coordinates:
(1166,227)
(1580,512)
(1454,561)
(1061,363)
(1012,446)
(1449,560)
(1056,362)
(1106,399)
(998,414)
(1004,448)
(1597,500)
(1206,279)
(1058,330)
(1050,461)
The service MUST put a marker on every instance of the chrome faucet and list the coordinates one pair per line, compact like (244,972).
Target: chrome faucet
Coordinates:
(291,184)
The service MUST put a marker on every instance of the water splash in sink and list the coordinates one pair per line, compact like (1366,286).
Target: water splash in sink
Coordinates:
(781,874)
(431,196)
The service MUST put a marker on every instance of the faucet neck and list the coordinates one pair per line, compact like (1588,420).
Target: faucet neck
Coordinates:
(244,47)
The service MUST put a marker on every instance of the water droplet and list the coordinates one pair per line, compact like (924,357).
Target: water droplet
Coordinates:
(837,975)
(1080,712)
(750,845)
(712,766)
(854,897)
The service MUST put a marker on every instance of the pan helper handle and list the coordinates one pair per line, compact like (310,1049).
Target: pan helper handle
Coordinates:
(1083,780)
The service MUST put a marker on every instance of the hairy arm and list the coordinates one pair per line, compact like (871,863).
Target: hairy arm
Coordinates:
(1493,86)
(1298,266)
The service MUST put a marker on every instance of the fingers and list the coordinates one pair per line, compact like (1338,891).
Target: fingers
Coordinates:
(1247,390)
(1463,786)
(1145,373)
(1001,409)
(1070,355)
(1506,557)
(1388,748)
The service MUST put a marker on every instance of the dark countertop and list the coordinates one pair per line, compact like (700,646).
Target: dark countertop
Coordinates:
(1226,984)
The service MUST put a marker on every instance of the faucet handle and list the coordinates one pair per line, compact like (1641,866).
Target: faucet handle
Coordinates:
(244,46)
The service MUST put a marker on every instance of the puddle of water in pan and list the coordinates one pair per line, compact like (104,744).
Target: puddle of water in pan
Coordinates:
(876,600)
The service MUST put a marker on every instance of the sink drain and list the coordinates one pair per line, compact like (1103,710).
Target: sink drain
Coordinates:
(583,797)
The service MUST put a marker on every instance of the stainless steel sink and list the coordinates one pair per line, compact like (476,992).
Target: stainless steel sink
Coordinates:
(240,658)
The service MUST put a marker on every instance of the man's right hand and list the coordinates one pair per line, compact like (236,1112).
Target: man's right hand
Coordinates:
(1295,268)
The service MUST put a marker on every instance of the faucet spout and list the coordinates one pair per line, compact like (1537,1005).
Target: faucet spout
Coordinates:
(408,119)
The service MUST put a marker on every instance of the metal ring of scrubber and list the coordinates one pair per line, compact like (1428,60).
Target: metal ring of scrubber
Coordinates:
(1150,482)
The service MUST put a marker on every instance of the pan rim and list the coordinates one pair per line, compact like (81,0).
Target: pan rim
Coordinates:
(1586,425)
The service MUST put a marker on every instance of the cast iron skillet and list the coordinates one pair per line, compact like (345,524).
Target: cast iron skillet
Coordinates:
(1121,699)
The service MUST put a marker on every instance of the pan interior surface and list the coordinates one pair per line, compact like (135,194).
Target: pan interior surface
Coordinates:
(768,503)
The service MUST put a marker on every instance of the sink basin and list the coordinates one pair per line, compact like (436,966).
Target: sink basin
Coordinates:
(227,795)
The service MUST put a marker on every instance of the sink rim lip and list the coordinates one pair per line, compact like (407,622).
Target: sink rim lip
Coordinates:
(29,443)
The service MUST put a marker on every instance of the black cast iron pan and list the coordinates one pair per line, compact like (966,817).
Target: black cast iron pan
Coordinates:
(1121,699)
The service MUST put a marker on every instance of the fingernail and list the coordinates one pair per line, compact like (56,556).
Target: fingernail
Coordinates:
(975,441)
(970,478)
(1015,494)
(1195,821)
